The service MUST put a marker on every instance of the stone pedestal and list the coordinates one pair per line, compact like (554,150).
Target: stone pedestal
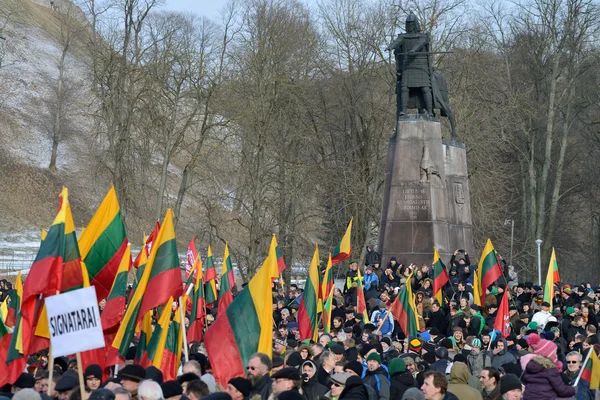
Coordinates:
(426,196)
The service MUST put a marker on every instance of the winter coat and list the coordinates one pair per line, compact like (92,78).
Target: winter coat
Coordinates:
(477,362)
(574,331)
(438,320)
(541,318)
(543,381)
(311,388)
(372,257)
(388,323)
(323,377)
(389,354)
(378,380)
(400,383)
(440,366)
(503,357)
(355,389)
(351,277)
(371,281)
(459,376)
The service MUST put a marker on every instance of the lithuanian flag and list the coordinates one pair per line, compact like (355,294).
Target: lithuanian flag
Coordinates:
(440,276)
(168,359)
(10,369)
(73,277)
(245,328)
(344,248)
(210,286)
(328,282)
(280,260)
(489,269)
(46,274)
(327,313)
(227,282)
(142,258)
(145,336)
(552,278)
(112,315)
(161,280)
(404,309)
(591,371)
(361,304)
(14,302)
(103,243)
(156,343)
(12,361)
(196,329)
(307,312)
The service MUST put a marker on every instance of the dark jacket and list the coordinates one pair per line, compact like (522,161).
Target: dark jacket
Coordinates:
(574,331)
(438,320)
(543,381)
(355,389)
(263,388)
(400,383)
(323,377)
(389,355)
(311,388)
(378,380)
(372,257)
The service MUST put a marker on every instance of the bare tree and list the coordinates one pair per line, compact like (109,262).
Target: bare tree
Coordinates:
(62,97)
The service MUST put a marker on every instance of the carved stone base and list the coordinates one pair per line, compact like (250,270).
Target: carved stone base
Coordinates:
(426,196)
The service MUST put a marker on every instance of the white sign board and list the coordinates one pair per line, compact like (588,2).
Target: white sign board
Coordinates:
(74,322)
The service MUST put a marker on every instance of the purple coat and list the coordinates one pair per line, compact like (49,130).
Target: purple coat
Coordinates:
(543,381)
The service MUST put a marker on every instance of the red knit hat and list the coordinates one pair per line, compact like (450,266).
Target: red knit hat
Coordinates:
(544,348)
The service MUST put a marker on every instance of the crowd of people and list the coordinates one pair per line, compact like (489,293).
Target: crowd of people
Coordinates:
(456,355)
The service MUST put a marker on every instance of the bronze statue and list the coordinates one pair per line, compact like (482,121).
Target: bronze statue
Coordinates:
(418,85)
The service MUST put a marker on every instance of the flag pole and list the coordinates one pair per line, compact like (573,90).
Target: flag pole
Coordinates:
(583,366)
(387,314)
(183,330)
(80,374)
(50,369)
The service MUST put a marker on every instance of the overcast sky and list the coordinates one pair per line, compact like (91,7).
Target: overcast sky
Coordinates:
(208,8)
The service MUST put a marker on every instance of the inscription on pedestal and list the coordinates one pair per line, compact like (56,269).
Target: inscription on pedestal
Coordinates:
(412,204)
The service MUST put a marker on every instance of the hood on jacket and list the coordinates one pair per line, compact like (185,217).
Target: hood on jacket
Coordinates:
(525,360)
(459,373)
(538,364)
(314,367)
(503,352)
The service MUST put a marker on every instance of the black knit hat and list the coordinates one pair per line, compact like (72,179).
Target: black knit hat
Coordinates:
(244,386)
(354,366)
(93,371)
(25,381)
(509,382)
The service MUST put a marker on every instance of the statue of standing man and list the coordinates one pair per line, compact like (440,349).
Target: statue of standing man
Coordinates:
(413,69)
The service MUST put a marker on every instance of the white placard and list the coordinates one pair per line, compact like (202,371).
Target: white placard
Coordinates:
(74,322)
